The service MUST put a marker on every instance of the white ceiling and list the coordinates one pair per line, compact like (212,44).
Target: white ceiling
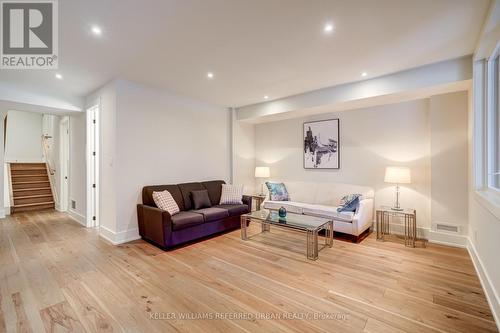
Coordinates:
(254,47)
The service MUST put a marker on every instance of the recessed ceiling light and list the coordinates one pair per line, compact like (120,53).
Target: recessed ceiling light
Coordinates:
(59,76)
(210,75)
(266,97)
(96,30)
(328,28)
(364,74)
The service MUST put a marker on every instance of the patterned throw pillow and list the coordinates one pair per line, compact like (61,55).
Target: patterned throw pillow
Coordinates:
(277,192)
(348,198)
(231,195)
(165,201)
(349,203)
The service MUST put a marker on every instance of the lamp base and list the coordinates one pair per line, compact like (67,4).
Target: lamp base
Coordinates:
(397,208)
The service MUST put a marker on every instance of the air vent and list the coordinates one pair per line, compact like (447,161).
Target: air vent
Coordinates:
(73,204)
(447,228)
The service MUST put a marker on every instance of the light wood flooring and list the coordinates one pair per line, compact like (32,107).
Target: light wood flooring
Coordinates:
(57,276)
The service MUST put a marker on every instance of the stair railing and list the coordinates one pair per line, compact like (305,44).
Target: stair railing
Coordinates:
(51,171)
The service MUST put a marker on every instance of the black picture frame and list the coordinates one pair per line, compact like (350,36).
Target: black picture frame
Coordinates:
(316,148)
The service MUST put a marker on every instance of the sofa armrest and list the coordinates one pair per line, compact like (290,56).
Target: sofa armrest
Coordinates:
(247,200)
(154,224)
(363,219)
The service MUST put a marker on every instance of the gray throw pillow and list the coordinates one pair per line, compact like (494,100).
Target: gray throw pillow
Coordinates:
(200,199)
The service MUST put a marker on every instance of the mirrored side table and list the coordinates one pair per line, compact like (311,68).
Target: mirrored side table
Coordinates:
(259,199)
(384,214)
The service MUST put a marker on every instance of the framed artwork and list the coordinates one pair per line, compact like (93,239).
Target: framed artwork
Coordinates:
(321,144)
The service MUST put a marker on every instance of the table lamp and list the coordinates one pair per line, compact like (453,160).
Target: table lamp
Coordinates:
(397,175)
(262,172)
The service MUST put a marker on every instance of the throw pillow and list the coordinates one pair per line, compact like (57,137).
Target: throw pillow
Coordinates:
(348,198)
(231,195)
(165,201)
(277,192)
(200,199)
(350,203)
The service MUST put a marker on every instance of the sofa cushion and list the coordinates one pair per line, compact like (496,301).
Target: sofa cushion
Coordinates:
(214,188)
(328,212)
(147,194)
(186,189)
(212,213)
(290,206)
(185,220)
(200,199)
(234,209)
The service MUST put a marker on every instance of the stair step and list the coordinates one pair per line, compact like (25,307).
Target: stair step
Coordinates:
(33,199)
(35,172)
(16,166)
(28,175)
(32,189)
(31,207)
(33,182)
(34,204)
(28,185)
(34,196)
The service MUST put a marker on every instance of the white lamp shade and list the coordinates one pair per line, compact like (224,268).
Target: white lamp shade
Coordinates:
(397,175)
(262,172)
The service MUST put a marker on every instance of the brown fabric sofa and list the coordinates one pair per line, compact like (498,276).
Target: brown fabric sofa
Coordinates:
(160,228)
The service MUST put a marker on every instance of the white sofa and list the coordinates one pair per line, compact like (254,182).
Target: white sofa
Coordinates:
(322,200)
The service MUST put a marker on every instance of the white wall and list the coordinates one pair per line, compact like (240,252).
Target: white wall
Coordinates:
(24,137)
(50,127)
(151,136)
(77,167)
(106,98)
(2,164)
(484,225)
(370,140)
(244,155)
(428,135)
(163,138)
(449,149)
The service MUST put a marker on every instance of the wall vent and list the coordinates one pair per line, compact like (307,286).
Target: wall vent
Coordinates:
(453,228)
(73,204)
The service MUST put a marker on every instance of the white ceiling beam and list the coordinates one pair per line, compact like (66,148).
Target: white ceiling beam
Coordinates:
(446,76)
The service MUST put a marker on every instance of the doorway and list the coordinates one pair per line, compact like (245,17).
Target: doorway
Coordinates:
(93,166)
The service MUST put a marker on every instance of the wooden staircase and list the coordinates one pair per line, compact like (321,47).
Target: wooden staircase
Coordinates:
(30,187)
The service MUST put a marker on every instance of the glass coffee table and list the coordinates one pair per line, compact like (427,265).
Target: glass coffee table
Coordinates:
(309,224)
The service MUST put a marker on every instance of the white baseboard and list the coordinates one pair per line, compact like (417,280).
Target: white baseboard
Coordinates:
(121,237)
(7,210)
(432,236)
(491,293)
(449,239)
(77,217)
(2,213)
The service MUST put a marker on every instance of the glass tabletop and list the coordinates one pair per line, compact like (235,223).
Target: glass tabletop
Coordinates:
(389,209)
(297,221)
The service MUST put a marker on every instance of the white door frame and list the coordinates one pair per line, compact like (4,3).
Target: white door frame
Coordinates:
(64,128)
(92,154)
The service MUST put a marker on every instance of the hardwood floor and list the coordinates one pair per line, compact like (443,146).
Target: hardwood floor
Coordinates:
(57,276)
